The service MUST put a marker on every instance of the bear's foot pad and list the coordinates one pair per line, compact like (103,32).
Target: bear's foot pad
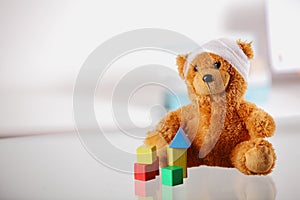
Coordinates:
(259,159)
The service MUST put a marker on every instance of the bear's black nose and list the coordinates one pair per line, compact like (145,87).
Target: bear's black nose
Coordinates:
(208,78)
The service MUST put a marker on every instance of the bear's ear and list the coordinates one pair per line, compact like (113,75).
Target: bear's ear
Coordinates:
(247,48)
(180,60)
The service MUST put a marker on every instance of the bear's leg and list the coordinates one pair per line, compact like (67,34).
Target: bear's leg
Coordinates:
(253,157)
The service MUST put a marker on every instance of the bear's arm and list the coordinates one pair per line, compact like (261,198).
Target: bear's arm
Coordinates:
(165,130)
(258,123)
(163,134)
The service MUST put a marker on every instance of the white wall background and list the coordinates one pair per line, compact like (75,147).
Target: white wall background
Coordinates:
(44,43)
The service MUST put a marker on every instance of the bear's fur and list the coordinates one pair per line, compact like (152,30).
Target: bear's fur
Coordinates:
(229,130)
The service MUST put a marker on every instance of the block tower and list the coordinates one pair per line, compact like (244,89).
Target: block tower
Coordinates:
(177,159)
(147,165)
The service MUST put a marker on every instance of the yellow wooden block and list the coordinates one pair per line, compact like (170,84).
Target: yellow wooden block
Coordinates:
(178,157)
(175,154)
(179,162)
(146,154)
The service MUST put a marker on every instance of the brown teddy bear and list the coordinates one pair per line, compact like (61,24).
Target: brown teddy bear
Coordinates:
(225,129)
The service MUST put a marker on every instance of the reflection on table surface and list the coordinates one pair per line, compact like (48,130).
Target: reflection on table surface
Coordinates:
(57,166)
(209,183)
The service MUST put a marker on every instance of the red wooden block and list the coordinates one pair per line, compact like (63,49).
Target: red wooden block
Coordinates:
(156,166)
(143,173)
(146,172)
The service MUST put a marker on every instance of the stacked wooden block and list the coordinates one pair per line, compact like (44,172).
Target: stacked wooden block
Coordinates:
(147,166)
(177,160)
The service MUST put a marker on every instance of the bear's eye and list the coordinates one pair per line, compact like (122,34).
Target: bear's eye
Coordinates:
(217,64)
(195,68)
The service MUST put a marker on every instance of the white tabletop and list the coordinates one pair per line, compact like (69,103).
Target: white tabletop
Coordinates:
(59,167)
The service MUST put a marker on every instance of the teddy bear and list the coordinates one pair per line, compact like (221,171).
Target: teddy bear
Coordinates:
(225,129)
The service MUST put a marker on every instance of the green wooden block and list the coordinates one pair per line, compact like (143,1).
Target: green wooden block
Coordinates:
(172,175)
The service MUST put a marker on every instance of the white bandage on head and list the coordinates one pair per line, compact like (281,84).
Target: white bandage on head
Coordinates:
(227,49)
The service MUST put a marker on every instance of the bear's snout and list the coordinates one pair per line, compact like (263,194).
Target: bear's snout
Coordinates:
(207,78)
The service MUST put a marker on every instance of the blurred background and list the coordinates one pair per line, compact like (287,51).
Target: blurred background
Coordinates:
(43,45)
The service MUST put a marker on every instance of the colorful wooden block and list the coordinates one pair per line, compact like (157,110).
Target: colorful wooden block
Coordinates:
(180,164)
(180,141)
(175,154)
(178,157)
(142,172)
(146,154)
(153,167)
(146,172)
(156,166)
(172,175)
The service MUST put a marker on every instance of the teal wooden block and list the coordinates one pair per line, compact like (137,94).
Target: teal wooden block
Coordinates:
(172,175)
